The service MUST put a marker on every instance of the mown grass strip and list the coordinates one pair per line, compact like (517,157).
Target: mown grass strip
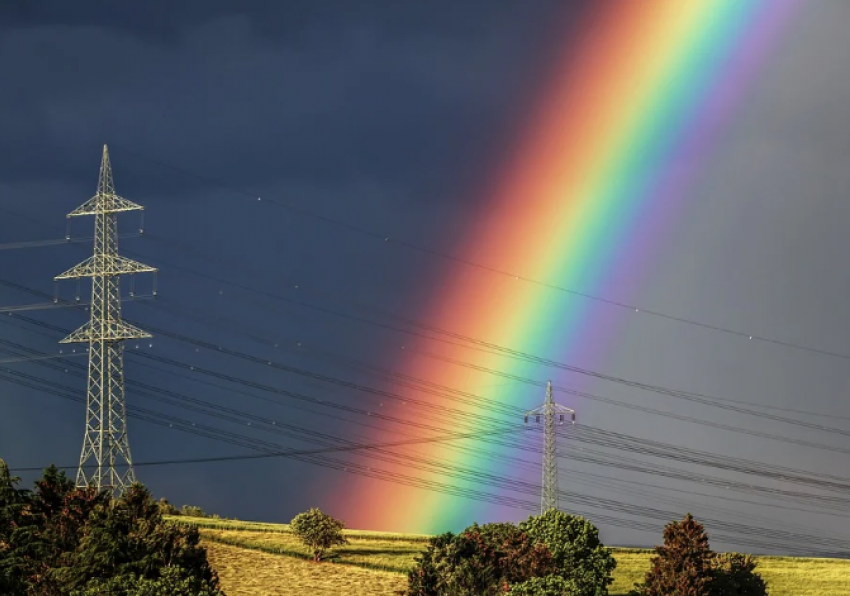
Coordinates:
(245,526)
(242,543)
(213,524)
(334,558)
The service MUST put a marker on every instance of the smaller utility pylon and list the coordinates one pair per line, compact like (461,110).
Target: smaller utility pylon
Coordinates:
(553,415)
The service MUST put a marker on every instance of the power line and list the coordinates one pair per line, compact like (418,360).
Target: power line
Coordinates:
(517,354)
(401,478)
(691,462)
(65,304)
(295,452)
(219,375)
(493,348)
(223,376)
(38,358)
(586,395)
(388,238)
(58,241)
(369,468)
(442,487)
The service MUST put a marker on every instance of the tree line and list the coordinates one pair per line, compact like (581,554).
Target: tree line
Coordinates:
(60,540)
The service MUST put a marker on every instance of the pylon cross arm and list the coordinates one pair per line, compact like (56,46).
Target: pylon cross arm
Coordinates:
(115,331)
(105,265)
(105,203)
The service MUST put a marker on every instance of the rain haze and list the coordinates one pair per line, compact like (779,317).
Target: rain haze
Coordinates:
(291,156)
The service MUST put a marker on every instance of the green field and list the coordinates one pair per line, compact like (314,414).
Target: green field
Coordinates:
(244,553)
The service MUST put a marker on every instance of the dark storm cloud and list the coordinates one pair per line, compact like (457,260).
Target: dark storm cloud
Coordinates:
(284,22)
(303,92)
(382,114)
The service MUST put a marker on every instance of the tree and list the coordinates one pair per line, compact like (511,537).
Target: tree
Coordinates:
(683,566)
(60,540)
(480,561)
(128,538)
(318,531)
(579,556)
(12,580)
(734,575)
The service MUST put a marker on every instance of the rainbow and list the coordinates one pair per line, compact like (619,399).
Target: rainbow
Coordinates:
(622,130)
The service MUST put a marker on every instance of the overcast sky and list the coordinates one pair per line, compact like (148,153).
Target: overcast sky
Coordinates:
(392,116)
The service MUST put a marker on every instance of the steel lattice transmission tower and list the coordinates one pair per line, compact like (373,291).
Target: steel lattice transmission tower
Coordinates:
(105,445)
(553,415)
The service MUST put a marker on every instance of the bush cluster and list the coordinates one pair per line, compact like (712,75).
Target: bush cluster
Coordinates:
(481,560)
(58,540)
(556,554)
(551,554)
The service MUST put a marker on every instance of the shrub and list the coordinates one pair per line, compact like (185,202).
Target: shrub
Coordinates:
(318,531)
(579,557)
(734,575)
(424,579)
(684,565)
(166,508)
(192,511)
(480,561)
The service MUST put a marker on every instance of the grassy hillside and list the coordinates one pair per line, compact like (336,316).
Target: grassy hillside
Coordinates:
(255,559)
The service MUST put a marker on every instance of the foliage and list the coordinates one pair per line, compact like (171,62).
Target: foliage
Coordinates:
(579,556)
(171,582)
(683,566)
(549,585)
(480,561)
(249,570)
(734,575)
(424,578)
(11,576)
(192,511)
(166,508)
(686,565)
(65,540)
(318,531)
